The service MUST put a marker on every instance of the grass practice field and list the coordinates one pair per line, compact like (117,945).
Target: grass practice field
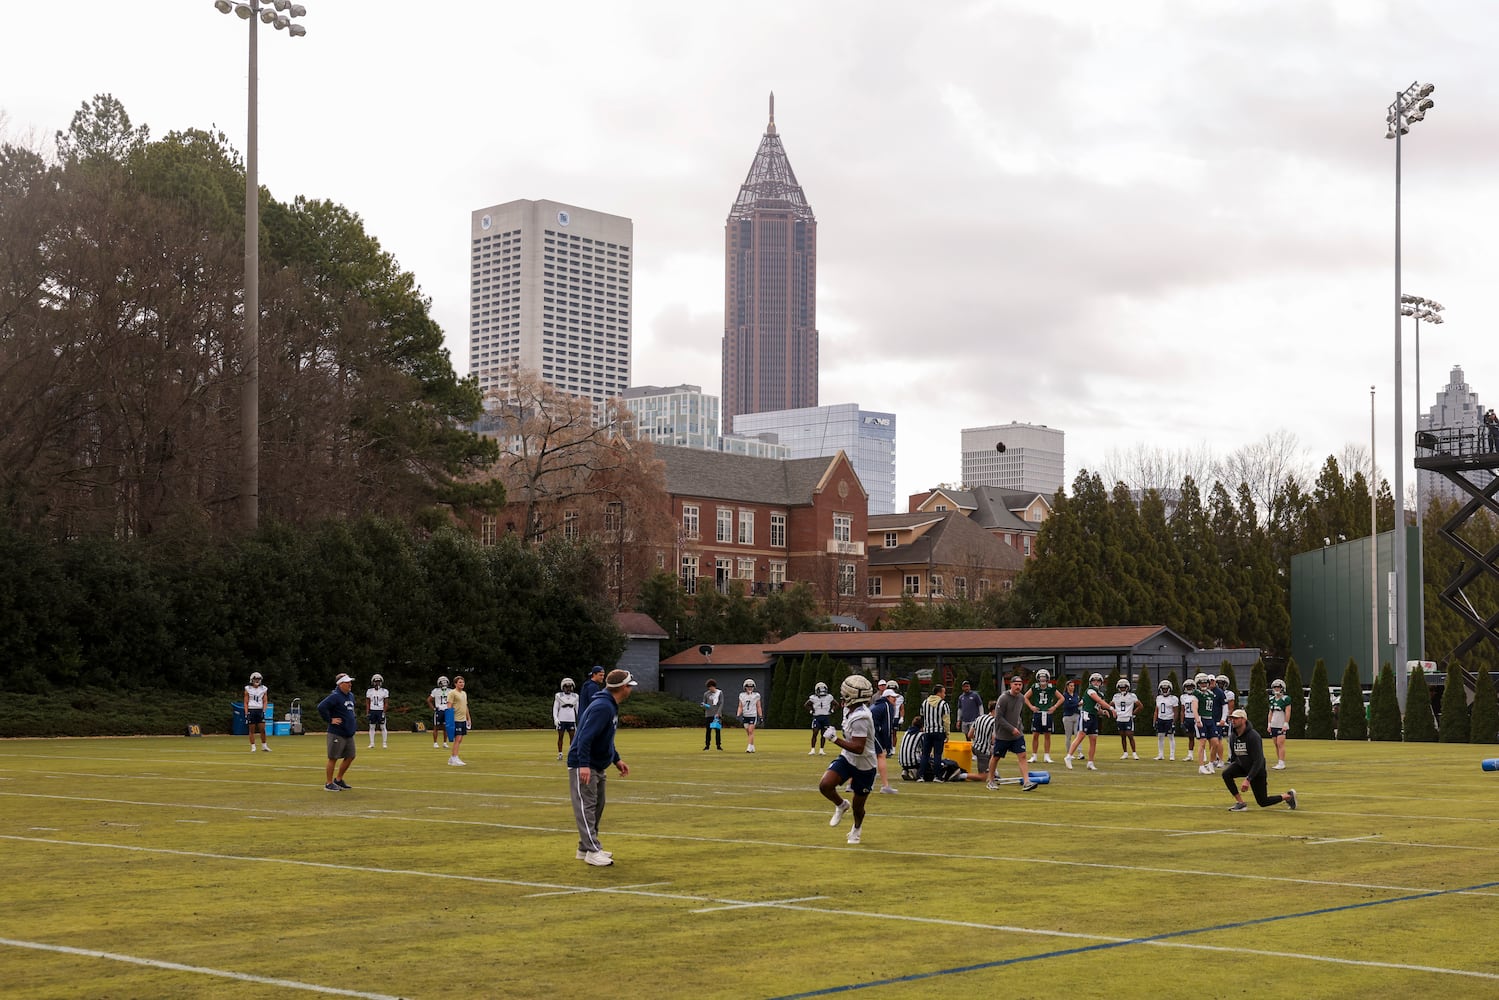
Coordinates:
(176,867)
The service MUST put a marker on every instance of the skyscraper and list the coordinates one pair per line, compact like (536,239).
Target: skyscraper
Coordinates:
(1457,406)
(770,293)
(865,436)
(549,291)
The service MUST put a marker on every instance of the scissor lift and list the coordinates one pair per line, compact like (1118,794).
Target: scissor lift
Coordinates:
(1452,451)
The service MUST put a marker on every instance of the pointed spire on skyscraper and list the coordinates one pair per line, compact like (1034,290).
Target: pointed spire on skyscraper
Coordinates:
(771,182)
(771,128)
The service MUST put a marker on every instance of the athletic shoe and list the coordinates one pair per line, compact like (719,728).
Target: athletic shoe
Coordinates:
(993,786)
(1068,761)
(1291,797)
(890,790)
(1124,756)
(1173,757)
(331,787)
(253,748)
(456,762)
(371,746)
(1239,807)
(812,752)
(1031,759)
(1219,766)
(1134,756)
(559,756)
(1280,765)
(1028,786)
(838,811)
(343,785)
(1159,757)
(266,747)
(583,855)
(822,753)
(1091,767)
(853,835)
(598,859)
(1046,758)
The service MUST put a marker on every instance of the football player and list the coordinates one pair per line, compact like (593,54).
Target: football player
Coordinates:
(1042,698)
(1093,702)
(821,704)
(1167,706)
(856,764)
(375,698)
(257,697)
(1280,721)
(1126,702)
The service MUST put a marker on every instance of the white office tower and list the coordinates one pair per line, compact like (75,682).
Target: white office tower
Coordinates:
(679,415)
(549,291)
(1027,458)
(866,437)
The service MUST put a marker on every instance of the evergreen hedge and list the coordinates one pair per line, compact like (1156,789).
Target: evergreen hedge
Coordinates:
(1257,705)
(1299,705)
(1351,722)
(1420,724)
(1455,712)
(1484,720)
(1384,707)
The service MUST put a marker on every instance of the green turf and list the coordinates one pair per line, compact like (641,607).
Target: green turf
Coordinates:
(434,881)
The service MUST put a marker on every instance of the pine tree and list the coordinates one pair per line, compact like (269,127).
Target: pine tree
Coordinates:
(781,680)
(1145,717)
(1299,706)
(1351,722)
(1420,725)
(1384,708)
(1319,717)
(1257,706)
(1484,727)
(1106,724)
(986,687)
(1454,725)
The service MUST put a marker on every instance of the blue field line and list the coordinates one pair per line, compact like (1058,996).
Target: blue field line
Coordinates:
(1105,945)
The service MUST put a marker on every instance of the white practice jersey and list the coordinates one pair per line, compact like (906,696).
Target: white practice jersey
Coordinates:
(377,698)
(1165,706)
(749,703)
(858,722)
(440,699)
(256,695)
(822,704)
(1125,704)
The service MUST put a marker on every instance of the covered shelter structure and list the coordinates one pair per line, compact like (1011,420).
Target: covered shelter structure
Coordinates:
(1063,651)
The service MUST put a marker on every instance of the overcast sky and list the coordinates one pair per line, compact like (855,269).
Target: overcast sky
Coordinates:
(1144,222)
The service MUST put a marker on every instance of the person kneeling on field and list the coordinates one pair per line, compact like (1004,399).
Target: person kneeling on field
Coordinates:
(1247,769)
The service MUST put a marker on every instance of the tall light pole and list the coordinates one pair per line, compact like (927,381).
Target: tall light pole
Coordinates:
(1373,540)
(1410,106)
(279,14)
(1418,309)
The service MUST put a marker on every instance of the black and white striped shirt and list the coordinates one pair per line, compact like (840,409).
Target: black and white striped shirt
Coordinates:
(983,734)
(934,716)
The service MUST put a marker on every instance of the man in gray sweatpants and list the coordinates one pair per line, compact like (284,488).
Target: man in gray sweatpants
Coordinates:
(588,761)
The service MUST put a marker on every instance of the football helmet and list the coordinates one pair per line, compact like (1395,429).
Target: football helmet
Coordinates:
(567,684)
(442,682)
(821,688)
(1095,679)
(1278,686)
(749,685)
(1223,680)
(1202,680)
(1043,675)
(377,680)
(255,678)
(1164,687)
(856,690)
(1122,686)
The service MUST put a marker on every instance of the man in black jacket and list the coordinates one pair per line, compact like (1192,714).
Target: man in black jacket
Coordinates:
(1247,769)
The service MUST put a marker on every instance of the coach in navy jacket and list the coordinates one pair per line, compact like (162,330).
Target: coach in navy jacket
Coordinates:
(338,711)
(588,761)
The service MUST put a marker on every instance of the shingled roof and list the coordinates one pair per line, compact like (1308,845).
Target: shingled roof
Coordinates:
(718,476)
(952,540)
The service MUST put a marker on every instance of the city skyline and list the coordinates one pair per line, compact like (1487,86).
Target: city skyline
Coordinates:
(1157,224)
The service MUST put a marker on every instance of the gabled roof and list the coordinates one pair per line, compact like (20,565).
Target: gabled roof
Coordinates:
(952,540)
(719,476)
(724,655)
(1155,639)
(994,508)
(638,626)
(771,183)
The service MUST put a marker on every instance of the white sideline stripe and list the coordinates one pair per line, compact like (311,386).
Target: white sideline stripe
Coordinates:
(1330,959)
(1344,840)
(768,902)
(574,892)
(153,963)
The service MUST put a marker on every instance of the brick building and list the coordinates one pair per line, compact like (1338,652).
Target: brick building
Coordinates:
(1014,517)
(935,556)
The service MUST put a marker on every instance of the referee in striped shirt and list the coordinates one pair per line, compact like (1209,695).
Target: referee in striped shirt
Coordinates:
(983,740)
(935,718)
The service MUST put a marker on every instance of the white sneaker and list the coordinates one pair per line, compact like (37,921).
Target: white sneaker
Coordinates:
(583,855)
(1280,765)
(822,753)
(1124,756)
(993,786)
(1135,756)
(1173,757)
(266,747)
(890,790)
(853,835)
(838,811)
(1205,769)
(371,746)
(1091,767)
(1046,758)
(253,748)
(812,752)
(456,762)
(598,859)
(1159,757)
(1068,761)
(559,756)
(1031,759)
(1219,766)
